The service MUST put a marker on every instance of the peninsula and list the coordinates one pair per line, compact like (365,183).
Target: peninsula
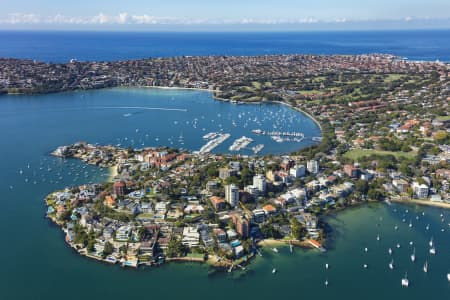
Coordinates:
(385,136)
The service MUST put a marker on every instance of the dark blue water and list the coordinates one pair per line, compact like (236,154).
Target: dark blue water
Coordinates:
(109,46)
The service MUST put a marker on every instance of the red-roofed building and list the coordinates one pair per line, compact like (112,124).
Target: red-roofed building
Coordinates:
(218,203)
(119,188)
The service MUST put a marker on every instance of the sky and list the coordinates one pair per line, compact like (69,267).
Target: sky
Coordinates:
(223,14)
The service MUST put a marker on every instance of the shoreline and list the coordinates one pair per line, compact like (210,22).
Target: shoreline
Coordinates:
(422,202)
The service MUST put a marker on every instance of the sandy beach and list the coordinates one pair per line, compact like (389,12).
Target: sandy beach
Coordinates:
(112,173)
(423,202)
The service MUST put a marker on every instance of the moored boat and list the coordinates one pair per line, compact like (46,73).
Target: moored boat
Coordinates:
(405,281)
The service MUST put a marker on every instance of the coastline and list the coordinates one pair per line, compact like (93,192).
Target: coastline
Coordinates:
(422,202)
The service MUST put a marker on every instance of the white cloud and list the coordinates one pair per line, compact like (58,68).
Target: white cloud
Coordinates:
(20,18)
(125,18)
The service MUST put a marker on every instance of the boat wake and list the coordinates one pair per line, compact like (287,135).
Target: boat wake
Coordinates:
(142,108)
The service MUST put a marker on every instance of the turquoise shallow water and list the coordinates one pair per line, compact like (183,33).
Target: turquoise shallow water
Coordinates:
(37,264)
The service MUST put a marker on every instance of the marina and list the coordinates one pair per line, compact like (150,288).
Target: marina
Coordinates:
(215,142)
(240,143)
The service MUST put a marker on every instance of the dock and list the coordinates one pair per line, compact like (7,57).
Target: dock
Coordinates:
(316,245)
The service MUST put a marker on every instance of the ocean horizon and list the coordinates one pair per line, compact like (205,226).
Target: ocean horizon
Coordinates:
(61,46)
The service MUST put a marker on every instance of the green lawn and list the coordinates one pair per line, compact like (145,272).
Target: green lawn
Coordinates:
(358,153)
(256,85)
(393,77)
(309,92)
(443,118)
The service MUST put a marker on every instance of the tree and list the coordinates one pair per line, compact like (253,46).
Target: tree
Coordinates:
(269,231)
(175,248)
(361,186)
(107,250)
(297,229)
(440,135)
(375,194)
(90,246)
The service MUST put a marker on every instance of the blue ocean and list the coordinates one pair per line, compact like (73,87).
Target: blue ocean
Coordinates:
(59,46)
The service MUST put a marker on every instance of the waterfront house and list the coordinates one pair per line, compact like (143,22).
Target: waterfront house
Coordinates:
(401,185)
(191,237)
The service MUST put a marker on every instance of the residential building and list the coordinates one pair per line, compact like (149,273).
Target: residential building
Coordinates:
(224,173)
(217,202)
(312,166)
(242,225)
(351,171)
(232,195)
(297,171)
(420,190)
(401,185)
(191,237)
(119,188)
(259,181)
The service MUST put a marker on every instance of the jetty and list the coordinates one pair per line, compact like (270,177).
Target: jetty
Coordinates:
(316,245)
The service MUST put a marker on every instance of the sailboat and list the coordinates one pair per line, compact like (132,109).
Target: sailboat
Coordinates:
(448,276)
(391,265)
(405,281)
(378,237)
(425,267)
(431,242)
(326,266)
(410,224)
(433,250)
(275,250)
(326,282)
(413,256)
(274,271)
(390,251)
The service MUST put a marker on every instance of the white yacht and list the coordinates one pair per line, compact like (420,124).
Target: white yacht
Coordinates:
(326,282)
(275,250)
(431,242)
(405,281)
(448,276)
(425,267)
(326,266)
(390,251)
(413,256)
(274,271)
(433,250)
(391,265)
